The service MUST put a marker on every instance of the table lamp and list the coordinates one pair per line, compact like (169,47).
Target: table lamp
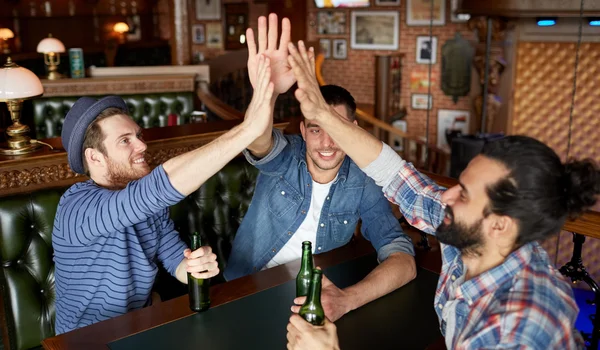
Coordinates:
(5,34)
(121,28)
(16,85)
(51,48)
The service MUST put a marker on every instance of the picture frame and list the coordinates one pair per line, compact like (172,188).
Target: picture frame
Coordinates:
(198,34)
(387,2)
(419,101)
(214,35)
(331,22)
(451,123)
(426,52)
(457,18)
(325,45)
(375,30)
(418,12)
(208,9)
(340,49)
(397,142)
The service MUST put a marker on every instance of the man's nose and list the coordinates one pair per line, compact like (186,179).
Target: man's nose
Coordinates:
(140,146)
(328,141)
(449,197)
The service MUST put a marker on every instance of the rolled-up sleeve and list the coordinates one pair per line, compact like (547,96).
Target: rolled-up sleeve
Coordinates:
(270,163)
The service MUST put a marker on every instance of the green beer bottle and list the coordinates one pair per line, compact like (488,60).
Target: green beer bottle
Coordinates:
(198,288)
(311,310)
(304,275)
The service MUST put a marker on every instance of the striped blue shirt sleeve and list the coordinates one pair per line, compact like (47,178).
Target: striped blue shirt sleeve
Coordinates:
(102,211)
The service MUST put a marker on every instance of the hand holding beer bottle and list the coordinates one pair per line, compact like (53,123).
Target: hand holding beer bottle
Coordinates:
(312,310)
(198,288)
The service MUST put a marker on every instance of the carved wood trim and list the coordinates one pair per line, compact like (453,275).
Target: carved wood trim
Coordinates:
(51,169)
(119,85)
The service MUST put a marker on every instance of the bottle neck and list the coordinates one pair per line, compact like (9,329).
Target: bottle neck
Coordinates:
(307,261)
(195,242)
(314,295)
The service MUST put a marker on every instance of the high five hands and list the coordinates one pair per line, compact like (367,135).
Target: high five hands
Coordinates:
(302,61)
(281,72)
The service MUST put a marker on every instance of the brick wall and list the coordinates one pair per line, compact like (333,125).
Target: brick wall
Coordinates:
(357,73)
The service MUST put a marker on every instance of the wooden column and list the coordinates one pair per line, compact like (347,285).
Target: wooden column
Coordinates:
(180,33)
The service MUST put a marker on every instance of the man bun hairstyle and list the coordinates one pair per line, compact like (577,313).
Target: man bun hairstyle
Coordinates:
(539,192)
(582,186)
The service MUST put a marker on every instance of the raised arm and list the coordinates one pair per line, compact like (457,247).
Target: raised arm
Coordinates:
(190,170)
(418,197)
(281,72)
(358,144)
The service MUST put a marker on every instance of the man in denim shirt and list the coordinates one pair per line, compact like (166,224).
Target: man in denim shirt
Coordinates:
(308,189)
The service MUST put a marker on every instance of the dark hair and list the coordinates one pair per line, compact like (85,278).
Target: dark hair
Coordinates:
(336,95)
(94,137)
(539,192)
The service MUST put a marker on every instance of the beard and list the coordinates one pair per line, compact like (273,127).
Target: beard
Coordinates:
(119,175)
(467,238)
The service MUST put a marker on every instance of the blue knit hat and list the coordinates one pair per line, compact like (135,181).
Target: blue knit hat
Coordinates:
(80,116)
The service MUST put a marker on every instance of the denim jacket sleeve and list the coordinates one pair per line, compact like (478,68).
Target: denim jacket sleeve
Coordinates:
(418,197)
(273,163)
(380,226)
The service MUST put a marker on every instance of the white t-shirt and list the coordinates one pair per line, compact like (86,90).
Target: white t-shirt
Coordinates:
(307,231)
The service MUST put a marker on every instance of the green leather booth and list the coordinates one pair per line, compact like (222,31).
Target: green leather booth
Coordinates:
(148,110)
(215,210)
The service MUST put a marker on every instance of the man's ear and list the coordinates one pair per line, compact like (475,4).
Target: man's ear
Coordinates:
(355,122)
(303,130)
(502,227)
(94,158)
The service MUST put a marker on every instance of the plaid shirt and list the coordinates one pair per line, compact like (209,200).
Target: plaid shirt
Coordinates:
(524,303)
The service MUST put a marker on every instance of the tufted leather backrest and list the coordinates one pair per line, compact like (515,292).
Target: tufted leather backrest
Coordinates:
(217,208)
(148,110)
(27,274)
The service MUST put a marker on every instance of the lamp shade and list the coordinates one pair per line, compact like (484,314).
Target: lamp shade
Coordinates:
(50,44)
(121,27)
(17,82)
(6,33)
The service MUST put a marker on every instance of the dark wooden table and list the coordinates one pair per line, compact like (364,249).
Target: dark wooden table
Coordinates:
(100,335)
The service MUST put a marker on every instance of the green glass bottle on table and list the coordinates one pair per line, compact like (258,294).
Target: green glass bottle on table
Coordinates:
(312,310)
(305,274)
(198,288)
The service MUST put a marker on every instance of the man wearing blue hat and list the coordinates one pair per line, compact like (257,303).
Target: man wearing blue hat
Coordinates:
(110,231)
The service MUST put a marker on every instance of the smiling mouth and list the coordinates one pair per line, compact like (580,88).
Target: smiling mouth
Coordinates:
(328,154)
(140,160)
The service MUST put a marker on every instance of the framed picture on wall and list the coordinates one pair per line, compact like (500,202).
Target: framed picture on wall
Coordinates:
(451,124)
(340,49)
(208,9)
(387,2)
(214,35)
(418,12)
(198,34)
(374,30)
(419,101)
(325,45)
(331,22)
(426,49)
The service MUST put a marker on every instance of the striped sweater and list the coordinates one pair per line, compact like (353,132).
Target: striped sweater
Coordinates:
(106,245)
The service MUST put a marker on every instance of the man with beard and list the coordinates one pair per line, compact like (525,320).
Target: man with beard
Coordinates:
(308,190)
(111,231)
(497,288)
